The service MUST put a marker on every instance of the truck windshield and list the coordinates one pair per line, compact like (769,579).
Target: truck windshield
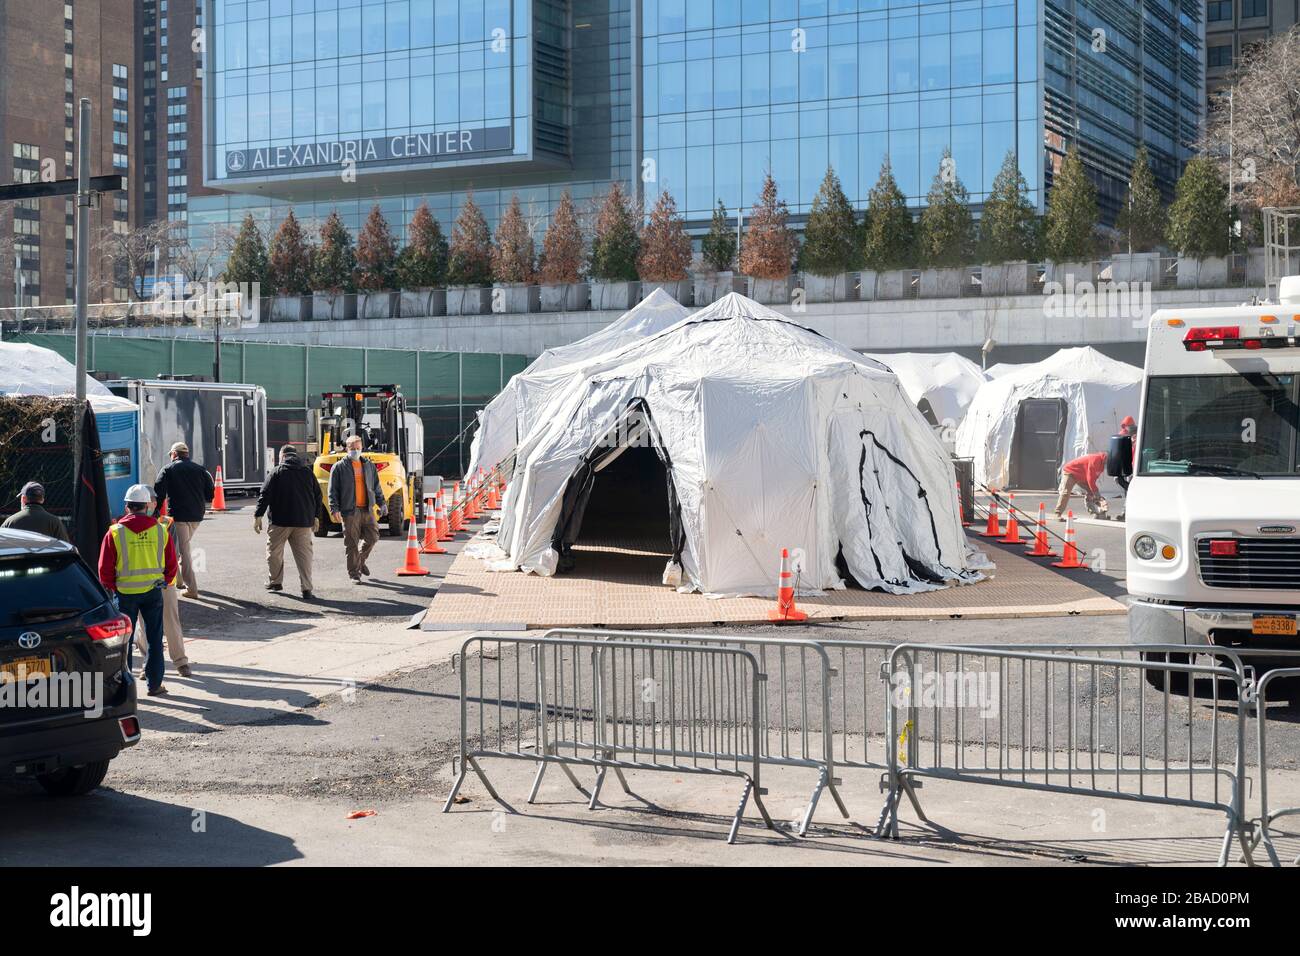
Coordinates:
(1233,425)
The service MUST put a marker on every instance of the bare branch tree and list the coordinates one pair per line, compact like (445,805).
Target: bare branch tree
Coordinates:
(130,255)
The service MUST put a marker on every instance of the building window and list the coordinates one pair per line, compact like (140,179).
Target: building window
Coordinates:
(1254,8)
(1219,56)
(1219,11)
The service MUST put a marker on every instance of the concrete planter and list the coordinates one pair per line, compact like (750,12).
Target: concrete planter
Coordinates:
(377,305)
(893,284)
(1007,278)
(941,283)
(333,308)
(469,300)
(681,290)
(1137,267)
(418,303)
(290,308)
(614,296)
(709,287)
(564,297)
(1208,273)
(771,291)
(515,297)
(1068,273)
(827,288)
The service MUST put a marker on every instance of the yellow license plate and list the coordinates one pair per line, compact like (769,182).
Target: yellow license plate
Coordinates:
(25,668)
(1274,625)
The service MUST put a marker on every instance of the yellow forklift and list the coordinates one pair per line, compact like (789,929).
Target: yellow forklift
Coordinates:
(392,438)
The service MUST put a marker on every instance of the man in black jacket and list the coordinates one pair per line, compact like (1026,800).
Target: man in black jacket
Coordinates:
(187,488)
(33,516)
(292,495)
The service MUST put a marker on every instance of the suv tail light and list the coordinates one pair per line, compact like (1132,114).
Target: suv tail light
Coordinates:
(111,633)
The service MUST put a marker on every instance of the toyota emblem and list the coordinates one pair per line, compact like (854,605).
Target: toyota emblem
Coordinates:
(29,639)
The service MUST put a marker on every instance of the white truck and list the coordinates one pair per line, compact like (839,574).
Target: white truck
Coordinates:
(1213,510)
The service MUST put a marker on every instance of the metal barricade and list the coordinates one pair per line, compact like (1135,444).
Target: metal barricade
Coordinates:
(611,704)
(1058,722)
(1264,822)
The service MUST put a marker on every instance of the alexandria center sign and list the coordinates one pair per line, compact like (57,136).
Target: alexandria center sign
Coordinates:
(375,150)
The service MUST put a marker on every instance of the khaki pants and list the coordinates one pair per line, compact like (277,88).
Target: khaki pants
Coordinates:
(360,526)
(171,628)
(184,532)
(1095,503)
(299,541)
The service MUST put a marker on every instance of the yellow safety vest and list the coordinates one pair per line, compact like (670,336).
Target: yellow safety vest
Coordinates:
(141,558)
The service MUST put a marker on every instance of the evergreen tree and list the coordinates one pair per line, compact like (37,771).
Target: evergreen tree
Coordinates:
(1199,218)
(718,248)
(512,252)
(247,262)
(1071,213)
(562,245)
(616,243)
(1008,227)
(422,264)
(289,259)
(1142,217)
(665,248)
(376,254)
(470,258)
(769,246)
(334,265)
(889,239)
(831,244)
(947,228)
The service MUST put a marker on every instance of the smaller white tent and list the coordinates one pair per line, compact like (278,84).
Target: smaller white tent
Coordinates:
(1002,369)
(1009,430)
(498,423)
(942,384)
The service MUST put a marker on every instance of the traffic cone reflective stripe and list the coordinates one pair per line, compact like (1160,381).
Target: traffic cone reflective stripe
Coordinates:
(219,496)
(412,566)
(1041,549)
(441,529)
(1071,557)
(430,545)
(993,529)
(457,520)
(1013,526)
(785,609)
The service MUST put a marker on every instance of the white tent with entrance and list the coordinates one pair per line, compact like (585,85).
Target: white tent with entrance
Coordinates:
(1022,427)
(498,423)
(731,435)
(942,384)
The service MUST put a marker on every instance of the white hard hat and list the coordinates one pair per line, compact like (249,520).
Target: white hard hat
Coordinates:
(139,494)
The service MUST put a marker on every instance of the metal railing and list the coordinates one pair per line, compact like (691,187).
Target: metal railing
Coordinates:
(1263,823)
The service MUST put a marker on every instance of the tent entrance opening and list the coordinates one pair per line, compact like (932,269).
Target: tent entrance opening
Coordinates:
(1039,443)
(628,506)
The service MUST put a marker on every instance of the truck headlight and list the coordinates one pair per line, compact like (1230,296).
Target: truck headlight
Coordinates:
(1144,546)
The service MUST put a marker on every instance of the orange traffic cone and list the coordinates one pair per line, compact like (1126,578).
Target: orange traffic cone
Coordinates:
(430,545)
(993,529)
(412,566)
(493,498)
(1071,557)
(961,508)
(785,609)
(470,499)
(457,520)
(1041,549)
(1013,526)
(219,496)
(441,529)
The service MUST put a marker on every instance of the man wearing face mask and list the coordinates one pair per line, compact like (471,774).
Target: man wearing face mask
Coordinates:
(354,494)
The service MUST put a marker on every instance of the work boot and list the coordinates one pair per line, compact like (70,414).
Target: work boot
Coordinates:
(191,594)
(365,570)
(307,596)
(159,691)
(184,670)
(274,587)
(356,578)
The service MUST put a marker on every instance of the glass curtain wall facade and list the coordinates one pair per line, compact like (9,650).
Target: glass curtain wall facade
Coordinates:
(699,97)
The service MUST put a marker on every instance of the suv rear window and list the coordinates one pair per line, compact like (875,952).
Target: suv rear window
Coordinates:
(45,587)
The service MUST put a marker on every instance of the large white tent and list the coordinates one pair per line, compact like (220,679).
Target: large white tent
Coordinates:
(1005,420)
(498,423)
(769,436)
(942,382)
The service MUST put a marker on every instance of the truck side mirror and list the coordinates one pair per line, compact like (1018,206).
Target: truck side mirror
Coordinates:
(1119,458)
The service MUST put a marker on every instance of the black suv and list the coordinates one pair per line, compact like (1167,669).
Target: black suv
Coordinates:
(67,698)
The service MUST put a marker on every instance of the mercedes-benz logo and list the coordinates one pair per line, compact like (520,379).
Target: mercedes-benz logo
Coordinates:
(29,639)
(235,161)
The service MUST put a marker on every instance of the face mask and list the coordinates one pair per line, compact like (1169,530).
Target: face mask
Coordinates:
(354,453)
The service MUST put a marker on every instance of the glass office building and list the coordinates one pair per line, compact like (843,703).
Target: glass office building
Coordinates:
(325,104)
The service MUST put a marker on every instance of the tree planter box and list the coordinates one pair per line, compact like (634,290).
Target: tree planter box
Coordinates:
(1135,267)
(893,284)
(1068,273)
(1208,273)
(1007,278)
(377,305)
(827,288)
(515,297)
(614,296)
(565,297)
(709,287)
(333,308)
(290,308)
(681,290)
(770,291)
(417,303)
(469,300)
(941,283)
